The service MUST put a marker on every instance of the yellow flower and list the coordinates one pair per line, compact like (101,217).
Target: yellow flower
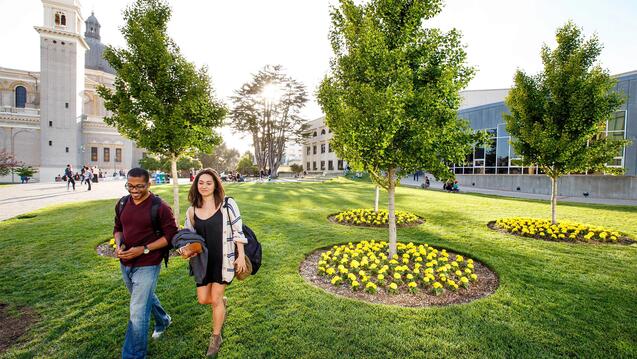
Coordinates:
(412,285)
(396,275)
(380,277)
(393,286)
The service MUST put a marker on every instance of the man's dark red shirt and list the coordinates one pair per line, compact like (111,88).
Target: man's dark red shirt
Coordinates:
(135,222)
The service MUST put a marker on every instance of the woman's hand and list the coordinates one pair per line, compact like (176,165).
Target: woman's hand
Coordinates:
(240,264)
(186,252)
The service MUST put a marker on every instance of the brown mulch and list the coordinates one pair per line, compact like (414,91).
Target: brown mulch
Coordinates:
(623,239)
(332,218)
(106,250)
(13,327)
(487,284)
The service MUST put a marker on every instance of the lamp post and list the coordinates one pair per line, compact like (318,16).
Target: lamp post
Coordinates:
(13,148)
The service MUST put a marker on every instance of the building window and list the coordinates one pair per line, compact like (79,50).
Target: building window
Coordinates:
(616,130)
(322,131)
(308,150)
(94,154)
(322,148)
(307,166)
(67,150)
(20,97)
(60,19)
(107,154)
(330,165)
(118,155)
(314,149)
(314,165)
(329,148)
(339,163)
(66,105)
(314,134)
(322,165)
(50,123)
(50,143)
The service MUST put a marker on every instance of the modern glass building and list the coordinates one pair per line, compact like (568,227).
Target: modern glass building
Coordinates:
(497,156)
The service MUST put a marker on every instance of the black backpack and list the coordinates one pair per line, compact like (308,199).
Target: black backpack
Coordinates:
(154,218)
(253,248)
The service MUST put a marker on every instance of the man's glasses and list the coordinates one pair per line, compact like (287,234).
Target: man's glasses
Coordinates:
(138,187)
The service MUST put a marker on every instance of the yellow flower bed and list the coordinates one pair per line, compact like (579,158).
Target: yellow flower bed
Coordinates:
(368,217)
(563,231)
(366,266)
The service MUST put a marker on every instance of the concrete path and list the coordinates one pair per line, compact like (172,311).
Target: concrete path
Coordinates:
(18,199)
(435,185)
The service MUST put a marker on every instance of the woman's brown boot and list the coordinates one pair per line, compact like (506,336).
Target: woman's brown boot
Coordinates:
(214,346)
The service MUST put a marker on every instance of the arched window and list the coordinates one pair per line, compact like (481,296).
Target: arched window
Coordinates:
(322,131)
(57,19)
(20,97)
(314,134)
(63,20)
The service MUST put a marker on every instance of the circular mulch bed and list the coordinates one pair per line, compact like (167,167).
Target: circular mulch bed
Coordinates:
(486,285)
(332,218)
(106,250)
(620,240)
(12,327)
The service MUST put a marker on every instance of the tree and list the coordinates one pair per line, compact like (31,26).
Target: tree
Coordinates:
(160,100)
(391,97)
(296,168)
(7,162)
(222,158)
(246,166)
(268,108)
(557,116)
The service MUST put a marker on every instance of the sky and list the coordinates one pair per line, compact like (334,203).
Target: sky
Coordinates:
(237,38)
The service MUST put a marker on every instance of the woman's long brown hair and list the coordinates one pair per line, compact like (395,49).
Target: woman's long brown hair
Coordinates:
(195,198)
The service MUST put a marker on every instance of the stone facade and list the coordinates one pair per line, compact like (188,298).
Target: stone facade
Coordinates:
(318,156)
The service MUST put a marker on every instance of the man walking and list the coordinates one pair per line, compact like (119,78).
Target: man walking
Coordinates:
(68,172)
(141,249)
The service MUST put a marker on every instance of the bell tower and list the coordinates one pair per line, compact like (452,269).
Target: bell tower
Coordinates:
(62,52)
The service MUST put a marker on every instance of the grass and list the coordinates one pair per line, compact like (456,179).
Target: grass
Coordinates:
(554,299)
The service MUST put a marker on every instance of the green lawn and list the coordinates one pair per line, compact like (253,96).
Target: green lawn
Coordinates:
(554,299)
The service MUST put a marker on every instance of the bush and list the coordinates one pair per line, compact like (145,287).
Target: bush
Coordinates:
(414,268)
(368,217)
(563,231)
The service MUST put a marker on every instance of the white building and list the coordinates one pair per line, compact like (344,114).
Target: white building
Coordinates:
(318,156)
(54,117)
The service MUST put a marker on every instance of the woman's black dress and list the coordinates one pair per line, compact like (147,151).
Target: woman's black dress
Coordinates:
(212,230)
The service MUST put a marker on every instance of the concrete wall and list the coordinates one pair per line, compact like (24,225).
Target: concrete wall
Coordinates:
(616,187)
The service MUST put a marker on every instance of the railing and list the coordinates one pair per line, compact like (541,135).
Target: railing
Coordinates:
(20,111)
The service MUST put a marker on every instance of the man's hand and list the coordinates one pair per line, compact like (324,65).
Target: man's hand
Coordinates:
(131,253)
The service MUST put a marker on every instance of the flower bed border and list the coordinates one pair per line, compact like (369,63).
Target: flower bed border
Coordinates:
(332,218)
(487,284)
(622,240)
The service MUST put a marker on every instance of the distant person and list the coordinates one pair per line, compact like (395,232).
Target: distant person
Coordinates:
(82,175)
(416,176)
(89,177)
(427,183)
(68,172)
(141,249)
(455,187)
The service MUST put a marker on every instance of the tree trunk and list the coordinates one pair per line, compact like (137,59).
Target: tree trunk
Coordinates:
(553,200)
(175,177)
(376,201)
(392,213)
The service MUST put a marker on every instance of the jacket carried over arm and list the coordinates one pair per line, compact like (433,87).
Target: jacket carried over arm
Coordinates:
(198,263)
(232,233)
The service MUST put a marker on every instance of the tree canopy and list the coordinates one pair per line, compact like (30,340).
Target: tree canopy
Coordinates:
(391,97)
(558,117)
(160,100)
(267,108)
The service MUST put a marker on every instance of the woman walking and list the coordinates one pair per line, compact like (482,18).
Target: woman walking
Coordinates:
(220,226)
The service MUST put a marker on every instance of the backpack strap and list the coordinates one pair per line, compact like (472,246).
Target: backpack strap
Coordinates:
(120,205)
(154,218)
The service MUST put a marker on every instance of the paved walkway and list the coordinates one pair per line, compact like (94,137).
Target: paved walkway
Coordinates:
(18,199)
(435,185)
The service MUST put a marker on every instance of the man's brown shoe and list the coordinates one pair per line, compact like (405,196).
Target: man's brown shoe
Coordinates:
(214,346)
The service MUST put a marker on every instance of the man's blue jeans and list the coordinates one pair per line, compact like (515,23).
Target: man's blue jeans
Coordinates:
(141,282)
